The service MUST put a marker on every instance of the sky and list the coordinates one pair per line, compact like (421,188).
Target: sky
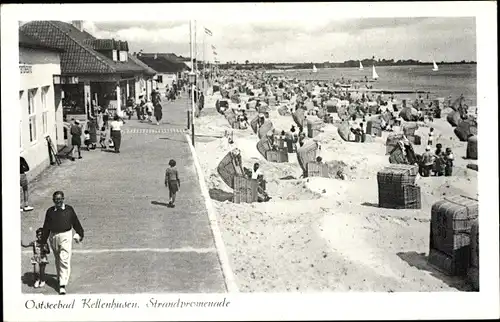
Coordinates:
(282,41)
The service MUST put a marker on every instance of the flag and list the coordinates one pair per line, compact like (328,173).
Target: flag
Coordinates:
(208,32)
(215,53)
(213,47)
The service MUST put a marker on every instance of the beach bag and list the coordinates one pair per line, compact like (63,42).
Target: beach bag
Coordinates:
(307,153)
(265,128)
(453,118)
(344,130)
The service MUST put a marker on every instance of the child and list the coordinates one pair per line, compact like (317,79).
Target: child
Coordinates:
(430,140)
(102,137)
(40,252)
(86,141)
(172,181)
(448,170)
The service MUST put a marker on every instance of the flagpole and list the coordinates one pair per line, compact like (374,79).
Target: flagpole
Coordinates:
(192,66)
(204,35)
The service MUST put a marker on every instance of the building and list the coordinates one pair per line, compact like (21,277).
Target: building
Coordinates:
(169,67)
(40,102)
(94,72)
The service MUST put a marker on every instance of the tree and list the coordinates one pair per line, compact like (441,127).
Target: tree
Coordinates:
(246,62)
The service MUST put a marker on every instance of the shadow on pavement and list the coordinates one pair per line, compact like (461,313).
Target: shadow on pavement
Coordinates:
(170,139)
(420,261)
(220,195)
(290,177)
(370,204)
(50,280)
(158,203)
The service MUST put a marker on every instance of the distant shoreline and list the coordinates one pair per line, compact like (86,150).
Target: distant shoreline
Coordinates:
(289,67)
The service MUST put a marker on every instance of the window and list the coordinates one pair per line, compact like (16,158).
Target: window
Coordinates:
(159,79)
(115,55)
(45,110)
(32,114)
(123,55)
(21,95)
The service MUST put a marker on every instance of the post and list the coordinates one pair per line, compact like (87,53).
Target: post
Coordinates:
(87,98)
(118,98)
(193,87)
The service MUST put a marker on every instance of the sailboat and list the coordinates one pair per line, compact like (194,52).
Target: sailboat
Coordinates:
(315,70)
(435,66)
(374,73)
(360,66)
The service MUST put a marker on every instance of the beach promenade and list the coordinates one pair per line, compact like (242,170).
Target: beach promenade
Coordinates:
(133,242)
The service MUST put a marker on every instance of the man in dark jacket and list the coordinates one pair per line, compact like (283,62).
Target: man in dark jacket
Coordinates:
(24,184)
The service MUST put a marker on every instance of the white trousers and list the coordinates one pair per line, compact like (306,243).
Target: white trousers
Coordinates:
(61,246)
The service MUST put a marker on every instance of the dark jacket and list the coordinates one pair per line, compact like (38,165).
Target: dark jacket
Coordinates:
(24,166)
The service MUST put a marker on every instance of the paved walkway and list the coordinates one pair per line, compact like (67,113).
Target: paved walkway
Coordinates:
(133,242)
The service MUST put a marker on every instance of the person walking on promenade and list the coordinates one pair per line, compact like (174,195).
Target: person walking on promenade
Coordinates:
(76,140)
(172,181)
(40,252)
(92,128)
(148,107)
(60,219)
(24,184)
(102,137)
(116,132)
(157,107)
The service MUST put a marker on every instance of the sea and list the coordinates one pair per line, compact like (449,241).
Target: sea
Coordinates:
(449,80)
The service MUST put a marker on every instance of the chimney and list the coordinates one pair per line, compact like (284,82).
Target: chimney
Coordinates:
(78,24)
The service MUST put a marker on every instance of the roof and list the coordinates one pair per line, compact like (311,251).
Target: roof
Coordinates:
(28,42)
(79,56)
(148,69)
(163,63)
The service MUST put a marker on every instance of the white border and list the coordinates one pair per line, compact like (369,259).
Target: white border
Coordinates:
(484,304)
(229,278)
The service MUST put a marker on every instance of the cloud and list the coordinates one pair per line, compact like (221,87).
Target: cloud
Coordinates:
(423,38)
(114,26)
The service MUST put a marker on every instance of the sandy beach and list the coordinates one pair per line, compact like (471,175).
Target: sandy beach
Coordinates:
(322,234)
